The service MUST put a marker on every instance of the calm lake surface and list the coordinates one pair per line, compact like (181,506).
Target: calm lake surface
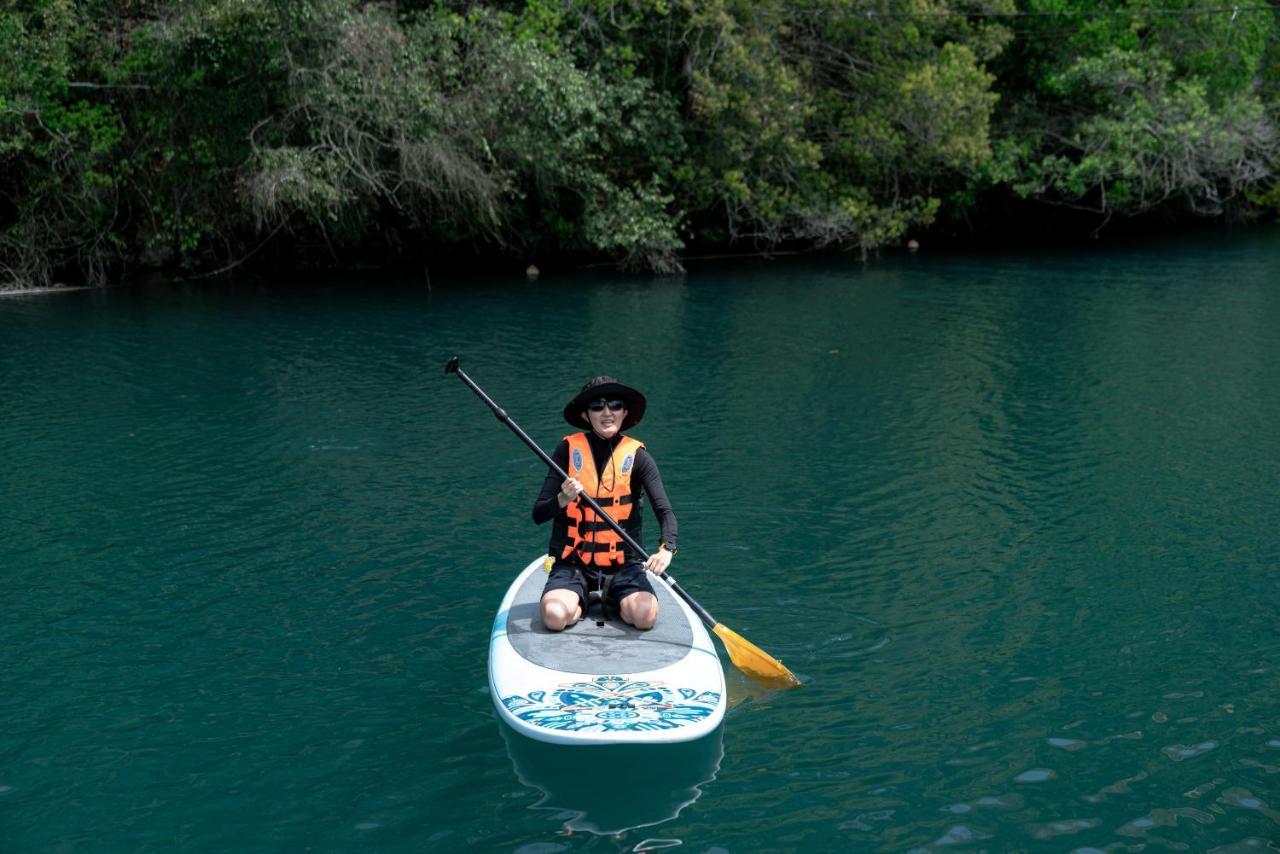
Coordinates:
(1013,518)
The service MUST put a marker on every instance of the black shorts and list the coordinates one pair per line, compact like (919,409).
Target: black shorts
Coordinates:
(627,579)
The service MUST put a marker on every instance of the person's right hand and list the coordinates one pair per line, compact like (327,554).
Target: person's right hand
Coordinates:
(569,490)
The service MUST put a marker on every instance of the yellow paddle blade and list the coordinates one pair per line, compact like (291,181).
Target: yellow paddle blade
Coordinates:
(754,661)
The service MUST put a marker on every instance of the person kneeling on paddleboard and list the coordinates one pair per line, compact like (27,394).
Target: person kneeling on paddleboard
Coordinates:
(617,472)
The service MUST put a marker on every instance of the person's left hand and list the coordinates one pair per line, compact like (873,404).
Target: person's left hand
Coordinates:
(658,561)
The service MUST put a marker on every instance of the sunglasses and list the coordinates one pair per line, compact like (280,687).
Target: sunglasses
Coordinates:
(599,405)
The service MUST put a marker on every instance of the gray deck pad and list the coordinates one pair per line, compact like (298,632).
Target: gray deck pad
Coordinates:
(585,647)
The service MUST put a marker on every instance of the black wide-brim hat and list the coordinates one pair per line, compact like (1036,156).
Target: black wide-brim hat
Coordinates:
(608,388)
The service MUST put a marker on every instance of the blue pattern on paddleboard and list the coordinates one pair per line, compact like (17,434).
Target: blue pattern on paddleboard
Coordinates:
(613,704)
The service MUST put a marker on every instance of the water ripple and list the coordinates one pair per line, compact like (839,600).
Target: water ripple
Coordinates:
(995,510)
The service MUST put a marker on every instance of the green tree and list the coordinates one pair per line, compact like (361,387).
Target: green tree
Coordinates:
(190,135)
(1142,107)
(58,150)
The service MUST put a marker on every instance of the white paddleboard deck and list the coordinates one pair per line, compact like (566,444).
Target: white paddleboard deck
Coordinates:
(610,684)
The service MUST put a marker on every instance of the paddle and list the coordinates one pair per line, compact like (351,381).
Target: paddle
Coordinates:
(748,657)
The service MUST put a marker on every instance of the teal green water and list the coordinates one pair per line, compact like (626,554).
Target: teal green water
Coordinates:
(1014,519)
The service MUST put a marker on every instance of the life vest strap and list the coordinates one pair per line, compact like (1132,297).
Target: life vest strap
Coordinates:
(595,555)
(596,547)
(597,527)
(600,594)
(617,501)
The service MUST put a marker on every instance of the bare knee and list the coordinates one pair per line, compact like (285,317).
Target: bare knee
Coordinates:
(640,610)
(557,614)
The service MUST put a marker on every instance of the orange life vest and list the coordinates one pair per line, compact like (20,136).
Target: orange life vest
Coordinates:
(595,543)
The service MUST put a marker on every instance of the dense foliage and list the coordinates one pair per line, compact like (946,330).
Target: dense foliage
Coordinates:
(200,135)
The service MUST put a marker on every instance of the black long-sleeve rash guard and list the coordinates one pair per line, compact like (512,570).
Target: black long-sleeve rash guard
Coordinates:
(645,481)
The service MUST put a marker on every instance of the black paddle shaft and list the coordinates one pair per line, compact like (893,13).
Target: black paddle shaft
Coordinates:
(452,368)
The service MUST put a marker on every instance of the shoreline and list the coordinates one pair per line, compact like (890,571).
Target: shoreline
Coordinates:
(57,289)
(455,268)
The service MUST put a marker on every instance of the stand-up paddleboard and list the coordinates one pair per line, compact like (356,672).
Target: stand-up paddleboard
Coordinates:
(603,684)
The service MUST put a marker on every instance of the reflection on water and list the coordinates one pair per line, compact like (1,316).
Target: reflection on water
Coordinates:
(611,789)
